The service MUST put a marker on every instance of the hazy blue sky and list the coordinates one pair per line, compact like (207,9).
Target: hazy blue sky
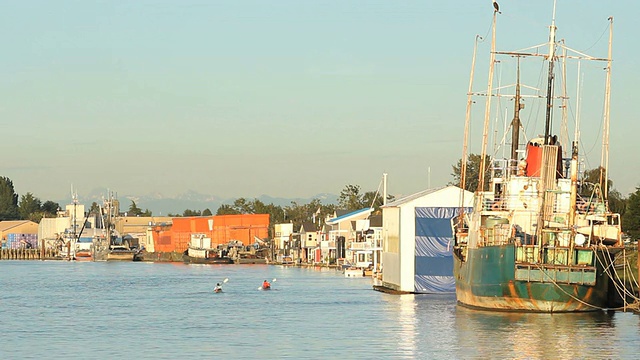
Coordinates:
(285,97)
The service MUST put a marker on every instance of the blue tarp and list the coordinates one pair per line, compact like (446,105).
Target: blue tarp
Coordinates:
(433,252)
(434,284)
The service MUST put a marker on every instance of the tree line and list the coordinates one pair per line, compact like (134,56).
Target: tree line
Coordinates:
(25,207)
(29,207)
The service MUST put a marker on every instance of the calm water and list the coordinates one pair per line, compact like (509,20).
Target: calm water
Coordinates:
(62,310)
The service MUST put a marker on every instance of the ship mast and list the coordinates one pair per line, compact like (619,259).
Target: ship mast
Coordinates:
(515,123)
(551,59)
(487,109)
(604,162)
(467,121)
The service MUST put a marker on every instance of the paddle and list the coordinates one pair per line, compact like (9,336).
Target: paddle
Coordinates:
(261,288)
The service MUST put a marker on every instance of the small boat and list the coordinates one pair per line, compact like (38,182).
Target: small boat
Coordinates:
(120,253)
(353,272)
(201,256)
(266,285)
(84,249)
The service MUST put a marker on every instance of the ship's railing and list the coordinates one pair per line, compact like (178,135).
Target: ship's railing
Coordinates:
(508,203)
(500,234)
(555,274)
(554,255)
(584,206)
(502,167)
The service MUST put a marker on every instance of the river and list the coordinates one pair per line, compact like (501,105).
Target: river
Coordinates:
(112,310)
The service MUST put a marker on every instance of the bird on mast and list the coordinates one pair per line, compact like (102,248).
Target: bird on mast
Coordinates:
(496,7)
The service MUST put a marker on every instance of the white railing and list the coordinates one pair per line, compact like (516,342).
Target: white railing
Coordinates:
(364,245)
(328,244)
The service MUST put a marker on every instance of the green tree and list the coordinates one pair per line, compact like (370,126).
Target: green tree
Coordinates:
(95,209)
(30,207)
(590,189)
(192,213)
(8,200)
(373,198)
(50,208)
(350,198)
(226,209)
(206,212)
(134,210)
(255,206)
(631,217)
(617,203)
(294,213)
(243,206)
(473,172)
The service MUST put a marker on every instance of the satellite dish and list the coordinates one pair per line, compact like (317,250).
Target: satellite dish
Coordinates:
(580,239)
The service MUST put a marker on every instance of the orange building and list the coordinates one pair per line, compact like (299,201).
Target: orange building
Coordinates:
(220,228)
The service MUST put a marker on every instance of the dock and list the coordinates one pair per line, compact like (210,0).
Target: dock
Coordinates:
(28,254)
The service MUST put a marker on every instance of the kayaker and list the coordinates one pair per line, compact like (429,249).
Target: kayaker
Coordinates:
(266,285)
(218,288)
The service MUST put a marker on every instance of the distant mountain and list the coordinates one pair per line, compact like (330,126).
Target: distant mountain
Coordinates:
(324,198)
(192,200)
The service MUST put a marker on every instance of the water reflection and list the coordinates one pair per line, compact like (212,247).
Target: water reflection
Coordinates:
(537,336)
(406,320)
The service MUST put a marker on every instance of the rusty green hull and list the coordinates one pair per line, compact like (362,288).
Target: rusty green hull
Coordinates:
(487,280)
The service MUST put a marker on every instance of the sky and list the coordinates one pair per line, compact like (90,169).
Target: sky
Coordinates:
(288,98)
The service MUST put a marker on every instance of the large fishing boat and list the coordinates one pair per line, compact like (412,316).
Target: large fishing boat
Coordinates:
(534,241)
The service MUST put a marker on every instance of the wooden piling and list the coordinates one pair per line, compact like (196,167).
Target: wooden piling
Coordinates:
(23,254)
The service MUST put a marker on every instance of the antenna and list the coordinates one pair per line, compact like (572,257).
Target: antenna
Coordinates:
(384,188)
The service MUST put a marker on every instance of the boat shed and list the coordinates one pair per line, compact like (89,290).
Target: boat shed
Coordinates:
(417,254)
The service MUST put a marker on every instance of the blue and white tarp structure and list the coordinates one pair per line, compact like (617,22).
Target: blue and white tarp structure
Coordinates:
(434,249)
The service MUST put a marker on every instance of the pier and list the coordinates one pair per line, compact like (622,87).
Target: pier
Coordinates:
(28,254)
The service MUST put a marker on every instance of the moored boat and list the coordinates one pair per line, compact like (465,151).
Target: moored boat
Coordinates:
(199,251)
(353,272)
(532,242)
(120,253)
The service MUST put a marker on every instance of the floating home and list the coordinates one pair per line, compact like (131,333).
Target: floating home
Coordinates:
(417,233)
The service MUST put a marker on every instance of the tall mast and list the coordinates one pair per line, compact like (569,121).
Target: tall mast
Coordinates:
(564,131)
(573,164)
(467,120)
(515,123)
(604,162)
(551,59)
(487,109)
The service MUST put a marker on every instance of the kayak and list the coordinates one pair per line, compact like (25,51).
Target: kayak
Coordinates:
(217,290)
